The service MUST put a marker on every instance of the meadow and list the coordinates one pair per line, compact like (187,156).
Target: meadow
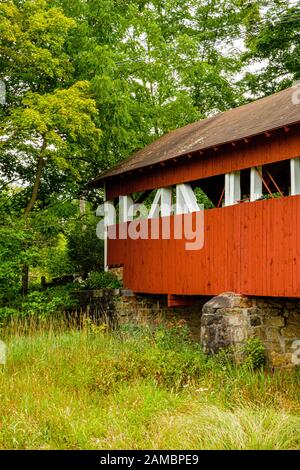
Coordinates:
(137,388)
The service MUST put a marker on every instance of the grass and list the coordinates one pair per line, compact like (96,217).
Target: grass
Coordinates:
(137,389)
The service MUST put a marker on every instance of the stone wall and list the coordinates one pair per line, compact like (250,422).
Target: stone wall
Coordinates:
(120,306)
(229,320)
(222,321)
(150,309)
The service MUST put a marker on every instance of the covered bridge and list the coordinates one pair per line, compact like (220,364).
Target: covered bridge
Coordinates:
(246,163)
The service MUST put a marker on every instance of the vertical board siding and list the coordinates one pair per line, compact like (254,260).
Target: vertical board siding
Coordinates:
(249,248)
(258,151)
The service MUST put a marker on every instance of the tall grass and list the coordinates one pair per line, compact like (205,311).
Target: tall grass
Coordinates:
(137,388)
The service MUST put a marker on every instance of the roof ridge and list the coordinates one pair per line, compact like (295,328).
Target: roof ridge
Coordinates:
(254,118)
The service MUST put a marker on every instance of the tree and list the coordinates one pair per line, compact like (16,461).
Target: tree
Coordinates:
(85,251)
(154,65)
(90,82)
(56,126)
(50,120)
(274,42)
(46,121)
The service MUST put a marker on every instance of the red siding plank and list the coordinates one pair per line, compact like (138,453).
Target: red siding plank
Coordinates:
(250,248)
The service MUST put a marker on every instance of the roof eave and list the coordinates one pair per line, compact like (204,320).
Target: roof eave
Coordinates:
(102,178)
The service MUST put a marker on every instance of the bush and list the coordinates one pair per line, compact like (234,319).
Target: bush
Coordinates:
(254,353)
(164,354)
(85,250)
(89,389)
(102,280)
(40,304)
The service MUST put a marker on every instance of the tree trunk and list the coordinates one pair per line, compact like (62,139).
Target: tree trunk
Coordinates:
(36,186)
(25,280)
(82,206)
(29,207)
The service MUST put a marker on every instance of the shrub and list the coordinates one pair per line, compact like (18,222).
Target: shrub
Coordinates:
(254,353)
(102,280)
(90,389)
(85,250)
(40,304)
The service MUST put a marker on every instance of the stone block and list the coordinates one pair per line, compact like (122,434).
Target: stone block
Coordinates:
(272,333)
(238,335)
(271,311)
(230,311)
(274,321)
(286,313)
(290,344)
(127,293)
(291,331)
(279,360)
(253,311)
(235,319)
(210,319)
(227,300)
(293,317)
(289,305)
(255,320)
(267,302)
(259,332)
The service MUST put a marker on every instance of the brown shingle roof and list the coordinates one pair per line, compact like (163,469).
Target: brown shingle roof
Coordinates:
(252,119)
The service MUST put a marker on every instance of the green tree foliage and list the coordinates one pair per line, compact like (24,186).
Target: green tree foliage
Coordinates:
(19,246)
(154,66)
(48,128)
(90,82)
(273,42)
(85,251)
(49,117)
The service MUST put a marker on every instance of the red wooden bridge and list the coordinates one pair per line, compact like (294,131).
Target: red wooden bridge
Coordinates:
(246,161)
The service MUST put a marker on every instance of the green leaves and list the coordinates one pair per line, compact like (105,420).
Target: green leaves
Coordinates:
(274,44)
(57,116)
(90,82)
(57,127)
(32,44)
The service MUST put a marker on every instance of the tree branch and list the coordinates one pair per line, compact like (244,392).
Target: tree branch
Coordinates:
(37,182)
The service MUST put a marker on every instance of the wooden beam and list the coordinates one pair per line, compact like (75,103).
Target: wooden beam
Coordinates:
(275,184)
(186,201)
(125,203)
(256,191)
(264,183)
(221,198)
(180,300)
(232,188)
(143,196)
(162,204)
(295,176)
